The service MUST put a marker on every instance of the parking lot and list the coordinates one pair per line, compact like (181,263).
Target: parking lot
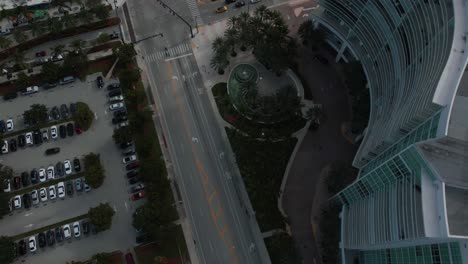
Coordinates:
(97,139)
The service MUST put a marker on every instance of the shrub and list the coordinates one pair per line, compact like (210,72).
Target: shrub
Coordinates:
(83,116)
(94,172)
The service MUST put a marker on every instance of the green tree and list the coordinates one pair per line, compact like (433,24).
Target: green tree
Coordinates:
(37,28)
(58,49)
(18,57)
(85,16)
(68,21)
(77,45)
(54,25)
(310,34)
(220,60)
(151,219)
(74,63)
(4,203)
(101,216)
(92,3)
(19,36)
(101,11)
(7,249)
(84,116)
(125,52)
(103,38)
(128,78)
(5,42)
(122,135)
(23,80)
(37,114)
(94,172)
(50,72)
(6,172)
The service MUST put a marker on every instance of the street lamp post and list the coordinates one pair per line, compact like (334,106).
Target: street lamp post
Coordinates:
(171,11)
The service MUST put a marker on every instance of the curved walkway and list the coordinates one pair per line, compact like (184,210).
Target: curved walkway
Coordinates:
(317,150)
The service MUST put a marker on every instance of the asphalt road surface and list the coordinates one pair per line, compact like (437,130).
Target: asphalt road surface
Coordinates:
(224,228)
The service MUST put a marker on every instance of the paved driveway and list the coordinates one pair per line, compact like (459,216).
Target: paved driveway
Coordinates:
(114,190)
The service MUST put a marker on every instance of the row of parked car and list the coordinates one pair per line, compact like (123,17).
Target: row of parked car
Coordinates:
(50,193)
(35,89)
(57,235)
(42,175)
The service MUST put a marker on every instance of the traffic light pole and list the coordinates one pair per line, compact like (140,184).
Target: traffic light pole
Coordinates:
(171,11)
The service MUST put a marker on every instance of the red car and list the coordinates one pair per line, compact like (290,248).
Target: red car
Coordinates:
(78,129)
(133,165)
(129,258)
(41,53)
(17,182)
(138,195)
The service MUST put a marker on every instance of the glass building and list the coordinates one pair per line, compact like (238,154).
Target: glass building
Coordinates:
(410,201)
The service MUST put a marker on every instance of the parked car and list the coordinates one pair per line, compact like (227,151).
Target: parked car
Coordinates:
(125,145)
(221,9)
(52,151)
(9,125)
(53,132)
(37,137)
(114,35)
(76,165)
(17,182)
(42,239)
(52,192)
(129,159)
(17,202)
(114,93)
(29,138)
(86,187)
(10,96)
(34,176)
(42,175)
(132,173)
(66,80)
(116,99)
(27,200)
(5,147)
(113,86)
(2,126)
(128,152)
(64,111)
(13,147)
(69,188)
(25,179)
(61,190)
(100,82)
(72,109)
(55,113)
(32,244)
(43,194)
(138,187)
(133,180)
(116,106)
(50,84)
(133,165)
(85,226)
(120,113)
(35,197)
(59,169)
(122,124)
(41,53)
(240,4)
(138,195)
(21,141)
(78,185)
(67,167)
(78,129)
(62,131)
(58,234)
(50,238)
(30,90)
(67,231)
(70,129)
(22,247)
(6,185)
(76,229)
(117,120)
(45,135)
(50,173)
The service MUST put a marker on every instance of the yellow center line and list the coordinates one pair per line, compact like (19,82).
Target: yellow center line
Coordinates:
(204,177)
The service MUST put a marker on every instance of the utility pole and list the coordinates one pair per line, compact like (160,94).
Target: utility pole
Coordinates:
(171,11)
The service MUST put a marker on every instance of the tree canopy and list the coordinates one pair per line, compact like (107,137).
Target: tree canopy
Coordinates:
(7,249)
(36,114)
(94,172)
(84,116)
(122,135)
(124,52)
(101,216)
(50,72)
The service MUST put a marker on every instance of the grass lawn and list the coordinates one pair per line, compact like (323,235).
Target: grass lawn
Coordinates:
(101,65)
(262,165)
(174,249)
(282,250)
(230,115)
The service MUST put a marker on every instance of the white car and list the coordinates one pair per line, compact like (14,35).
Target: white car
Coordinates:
(115,99)
(32,244)
(45,134)
(7,186)
(52,192)
(42,175)
(61,190)
(53,132)
(43,194)
(17,202)
(123,124)
(29,138)
(5,147)
(129,159)
(35,197)
(76,229)
(66,231)
(9,125)
(50,173)
(67,166)
(116,106)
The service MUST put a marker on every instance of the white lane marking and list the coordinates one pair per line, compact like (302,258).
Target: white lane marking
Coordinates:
(105,112)
(178,57)
(175,77)
(126,205)
(95,116)
(194,139)
(28,214)
(28,226)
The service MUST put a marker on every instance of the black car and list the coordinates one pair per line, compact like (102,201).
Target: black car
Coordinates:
(132,174)
(50,238)
(50,85)
(93,229)
(62,131)
(27,200)
(113,86)
(120,113)
(76,165)
(34,176)
(37,137)
(10,96)
(25,179)
(70,129)
(22,247)
(128,152)
(59,169)
(114,35)
(42,239)
(240,4)
(125,145)
(230,1)
(21,140)
(120,119)
(115,93)
(2,126)
(58,234)
(13,146)
(64,111)
(100,82)
(55,113)
(142,238)
(69,188)
(72,109)
(133,180)
(52,151)
(85,226)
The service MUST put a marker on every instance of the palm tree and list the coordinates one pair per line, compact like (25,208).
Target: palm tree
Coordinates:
(19,36)
(231,36)
(5,42)
(245,36)
(220,60)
